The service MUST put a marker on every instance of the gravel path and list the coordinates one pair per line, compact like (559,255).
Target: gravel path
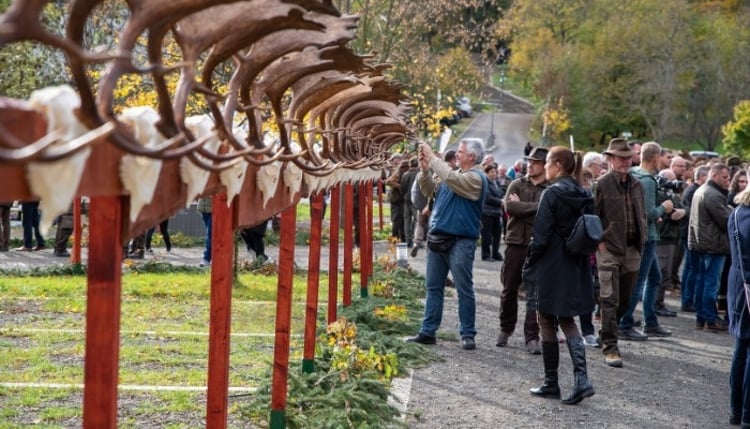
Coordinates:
(678,382)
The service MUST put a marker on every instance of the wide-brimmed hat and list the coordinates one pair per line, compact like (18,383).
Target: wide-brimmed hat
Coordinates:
(537,154)
(619,147)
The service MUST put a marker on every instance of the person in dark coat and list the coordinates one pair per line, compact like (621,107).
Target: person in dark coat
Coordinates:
(5,225)
(491,213)
(164,230)
(564,281)
(738,227)
(254,240)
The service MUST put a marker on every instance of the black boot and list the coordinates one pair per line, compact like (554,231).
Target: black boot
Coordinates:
(582,388)
(551,359)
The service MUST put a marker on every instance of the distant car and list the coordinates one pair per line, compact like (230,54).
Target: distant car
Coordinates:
(463,105)
(703,154)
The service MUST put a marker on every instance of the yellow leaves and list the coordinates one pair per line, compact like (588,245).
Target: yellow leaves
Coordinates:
(138,89)
(391,312)
(737,131)
(351,361)
(341,332)
(558,122)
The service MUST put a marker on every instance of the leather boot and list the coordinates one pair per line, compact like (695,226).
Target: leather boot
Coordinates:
(582,388)
(551,359)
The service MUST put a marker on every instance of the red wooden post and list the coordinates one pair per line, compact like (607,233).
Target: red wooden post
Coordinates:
(333,253)
(348,242)
(101,363)
(370,230)
(75,256)
(363,247)
(283,317)
(222,252)
(313,282)
(381,185)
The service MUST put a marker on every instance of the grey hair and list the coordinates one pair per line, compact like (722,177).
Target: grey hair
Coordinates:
(474,146)
(701,171)
(591,158)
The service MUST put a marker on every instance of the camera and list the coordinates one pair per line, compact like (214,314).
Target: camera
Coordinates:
(668,187)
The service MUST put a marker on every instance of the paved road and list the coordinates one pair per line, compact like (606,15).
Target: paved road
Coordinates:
(510,124)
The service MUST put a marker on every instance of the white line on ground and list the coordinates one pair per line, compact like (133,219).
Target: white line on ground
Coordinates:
(133,299)
(152,333)
(126,387)
(401,392)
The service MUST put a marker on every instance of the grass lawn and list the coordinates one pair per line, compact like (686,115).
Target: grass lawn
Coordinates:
(164,342)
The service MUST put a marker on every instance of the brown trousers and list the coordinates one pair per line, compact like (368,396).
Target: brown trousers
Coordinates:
(617,277)
(510,275)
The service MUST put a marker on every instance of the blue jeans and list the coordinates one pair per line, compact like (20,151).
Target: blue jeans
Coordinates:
(739,381)
(207,223)
(646,288)
(689,275)
(459,260)
(707,286)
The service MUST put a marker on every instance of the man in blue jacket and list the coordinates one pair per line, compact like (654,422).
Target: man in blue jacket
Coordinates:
(452,238)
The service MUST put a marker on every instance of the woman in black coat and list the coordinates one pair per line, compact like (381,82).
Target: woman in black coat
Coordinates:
(564,281)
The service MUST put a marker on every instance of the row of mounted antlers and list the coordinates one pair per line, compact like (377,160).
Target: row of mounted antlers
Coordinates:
(342,110)
(334,109)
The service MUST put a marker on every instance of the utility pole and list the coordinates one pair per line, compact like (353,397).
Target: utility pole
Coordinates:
(491,138)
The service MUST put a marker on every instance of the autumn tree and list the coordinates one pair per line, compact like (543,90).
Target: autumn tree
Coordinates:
(27,66)
(668,70)
(737,131)
(720,80)
(544,37)
(434,48)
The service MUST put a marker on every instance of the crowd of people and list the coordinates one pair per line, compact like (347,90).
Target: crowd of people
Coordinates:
(135,248)
(672,225)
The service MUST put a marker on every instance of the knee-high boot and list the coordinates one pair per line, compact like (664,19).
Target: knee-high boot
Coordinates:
(551,359)
(582,388)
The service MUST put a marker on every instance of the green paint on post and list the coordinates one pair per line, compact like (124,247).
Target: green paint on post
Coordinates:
(278,419)
(308,366)
(363,292)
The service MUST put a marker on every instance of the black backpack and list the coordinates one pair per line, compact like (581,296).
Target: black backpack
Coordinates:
(586,234)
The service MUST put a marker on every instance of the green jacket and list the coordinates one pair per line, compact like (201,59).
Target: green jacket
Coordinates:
(654,209)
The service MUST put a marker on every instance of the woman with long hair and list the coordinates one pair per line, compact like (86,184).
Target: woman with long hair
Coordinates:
(564,281)
(737,185)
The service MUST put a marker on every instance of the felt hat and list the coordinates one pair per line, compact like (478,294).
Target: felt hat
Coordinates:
(537,154)
(619,148)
